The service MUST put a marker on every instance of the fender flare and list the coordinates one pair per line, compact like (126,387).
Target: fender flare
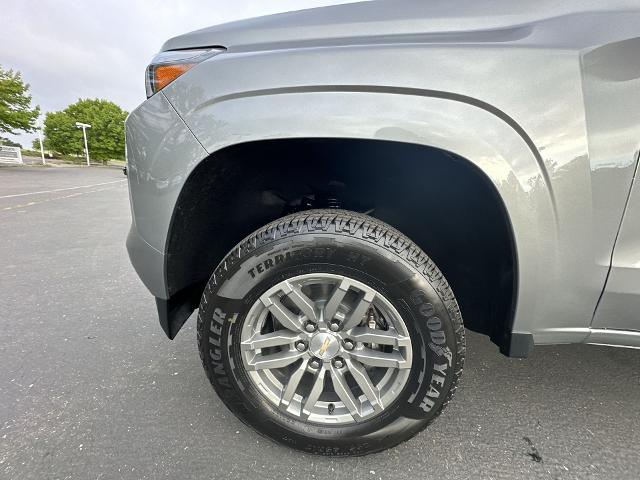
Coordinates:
(469,128)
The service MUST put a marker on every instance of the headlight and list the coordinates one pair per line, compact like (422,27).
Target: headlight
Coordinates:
(167,66)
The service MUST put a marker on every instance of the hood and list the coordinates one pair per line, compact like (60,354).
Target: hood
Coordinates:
(383,18)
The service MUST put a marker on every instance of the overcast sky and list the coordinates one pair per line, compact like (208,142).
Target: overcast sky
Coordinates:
(70,49)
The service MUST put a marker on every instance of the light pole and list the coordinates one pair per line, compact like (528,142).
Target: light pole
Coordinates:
(84,127)
(41,146)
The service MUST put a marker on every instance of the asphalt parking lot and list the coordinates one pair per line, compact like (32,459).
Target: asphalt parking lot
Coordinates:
(90,387)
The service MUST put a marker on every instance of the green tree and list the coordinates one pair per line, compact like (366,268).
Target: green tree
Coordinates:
(105,137)
(15,104)
(61,134)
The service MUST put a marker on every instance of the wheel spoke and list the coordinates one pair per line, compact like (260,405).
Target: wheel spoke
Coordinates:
(380,337)
(341,387)
(314,393)
(375,358)
(286,318)
(364,382)
(361,309)
(331,308)
(304,303)
(274,360)
(292,385)
(274,339)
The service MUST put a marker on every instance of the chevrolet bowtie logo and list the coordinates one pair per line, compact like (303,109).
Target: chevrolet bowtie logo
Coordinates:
(325,346)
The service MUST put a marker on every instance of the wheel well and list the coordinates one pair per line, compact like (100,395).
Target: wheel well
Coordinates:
(441,201)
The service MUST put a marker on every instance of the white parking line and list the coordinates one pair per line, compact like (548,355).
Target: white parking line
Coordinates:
(71,195)
(62,189)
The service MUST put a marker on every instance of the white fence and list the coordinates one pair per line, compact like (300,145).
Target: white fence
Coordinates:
(10,155)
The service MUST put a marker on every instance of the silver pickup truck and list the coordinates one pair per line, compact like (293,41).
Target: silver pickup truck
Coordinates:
(336,189)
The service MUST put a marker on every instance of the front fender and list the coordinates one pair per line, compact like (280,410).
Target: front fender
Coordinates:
(516,113)
(480,133)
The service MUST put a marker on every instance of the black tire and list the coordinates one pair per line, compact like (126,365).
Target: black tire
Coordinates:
(364,248)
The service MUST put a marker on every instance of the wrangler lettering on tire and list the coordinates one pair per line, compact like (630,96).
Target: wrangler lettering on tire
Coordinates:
(331,332)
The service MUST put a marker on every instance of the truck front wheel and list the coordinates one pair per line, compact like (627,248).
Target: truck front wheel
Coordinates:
(331,332)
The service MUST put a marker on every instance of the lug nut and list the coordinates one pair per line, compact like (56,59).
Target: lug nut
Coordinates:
(338,362)
(334,326)
(315,363)
(348,344)
(301,346)
(310,327)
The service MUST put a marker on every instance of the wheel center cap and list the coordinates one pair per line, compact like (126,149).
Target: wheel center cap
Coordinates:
(324,346)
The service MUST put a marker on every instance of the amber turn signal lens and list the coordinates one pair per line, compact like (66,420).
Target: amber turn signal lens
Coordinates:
(163,75)
(165,67)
